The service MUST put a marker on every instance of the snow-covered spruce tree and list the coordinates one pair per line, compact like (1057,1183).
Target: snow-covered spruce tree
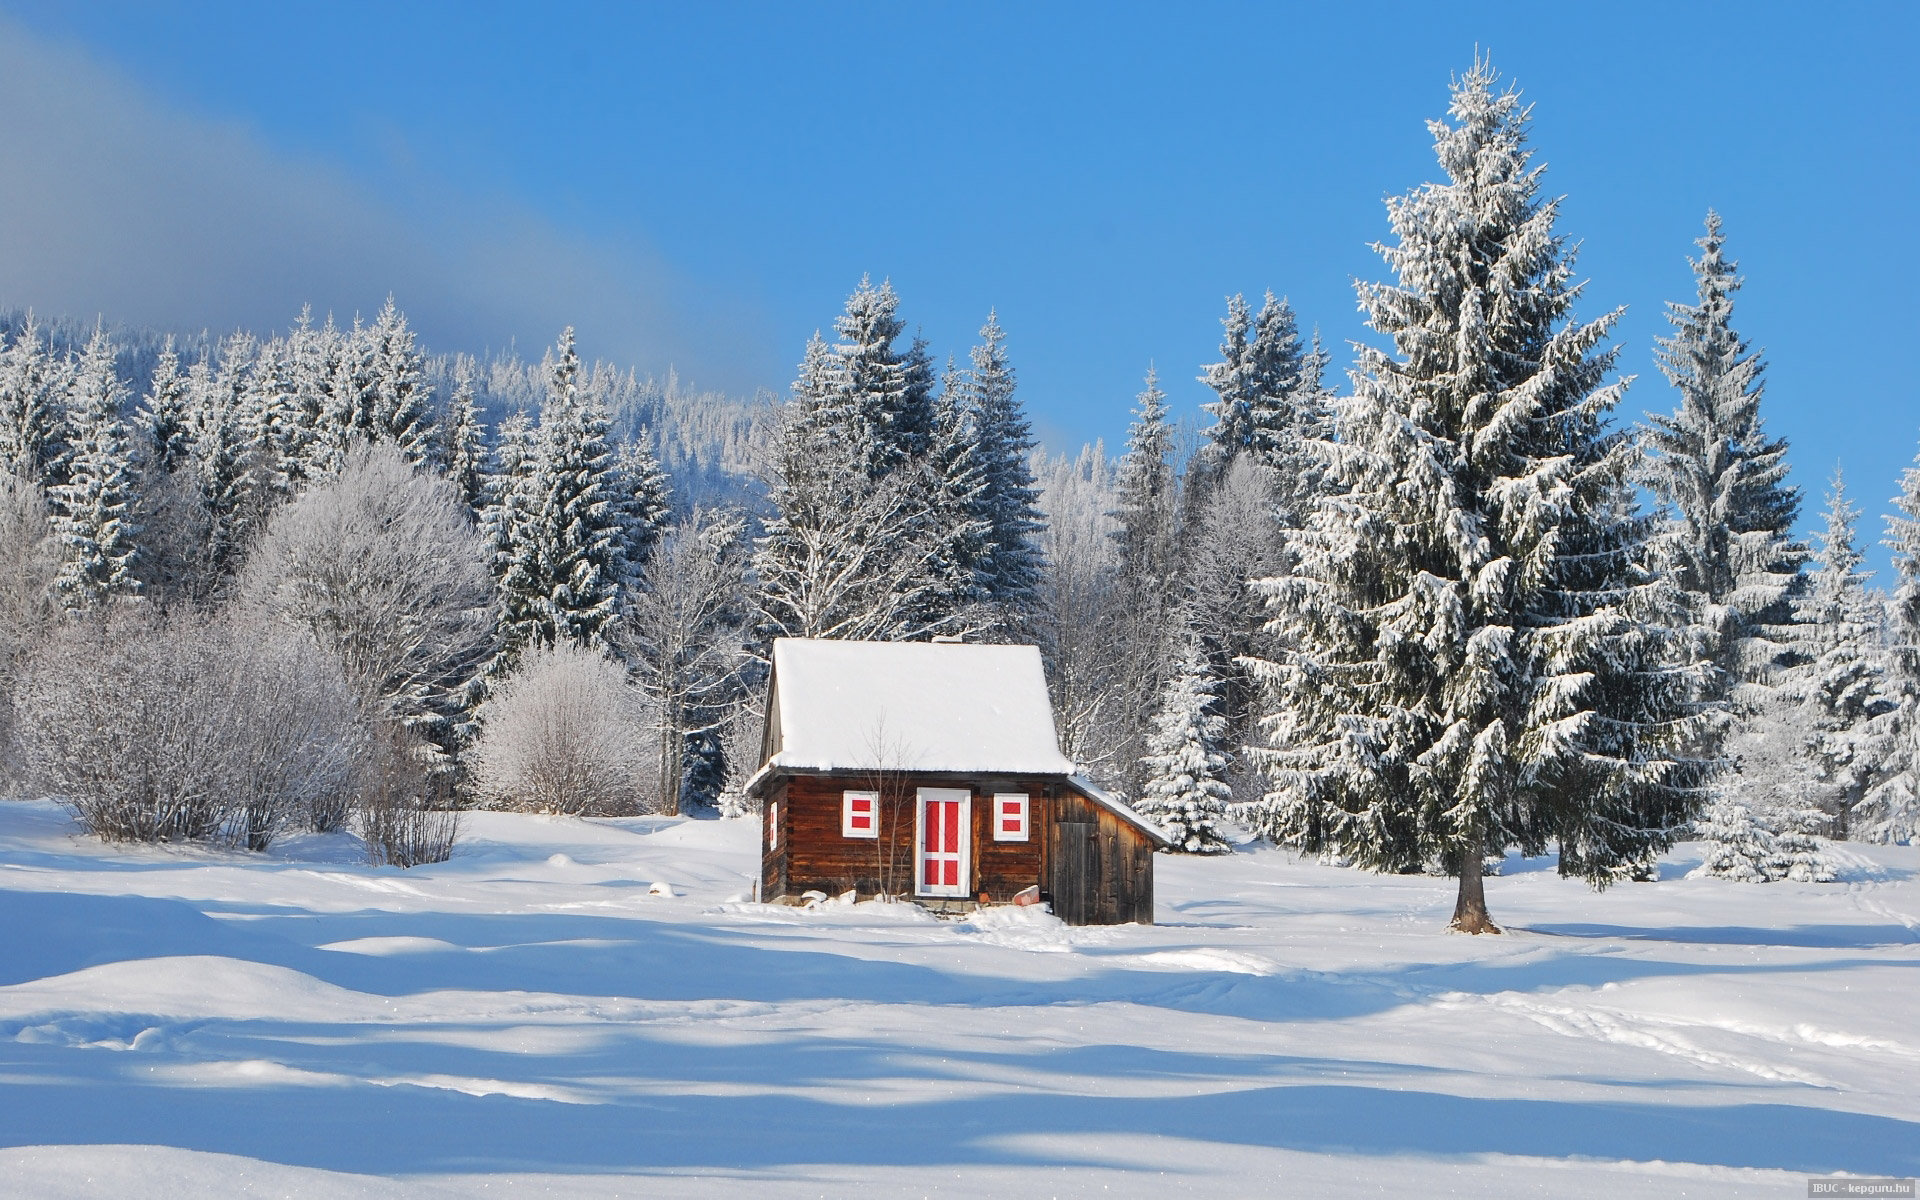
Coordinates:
(1471,657)
(559,534)
(465,452)
(877,394)
(1260,382)
(1842,693)
(162,416)
(645,502)
(873,533)
(1008,504)
(92,510)
(1148,519)
(219,448)
(267,425)
(1890,811)
(1185,790)
(32,382)
(398,406)
(1237,410)
(1737,844)
(312,356)
(846,555)
(957,518)
(1725,480)
(1148,509)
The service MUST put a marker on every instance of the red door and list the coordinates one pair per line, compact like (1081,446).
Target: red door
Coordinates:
(945,820)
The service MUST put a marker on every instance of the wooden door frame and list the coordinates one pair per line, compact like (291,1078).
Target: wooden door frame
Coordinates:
(964,797)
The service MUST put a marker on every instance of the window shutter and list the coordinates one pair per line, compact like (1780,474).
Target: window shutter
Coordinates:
(860,814)
(1010,816)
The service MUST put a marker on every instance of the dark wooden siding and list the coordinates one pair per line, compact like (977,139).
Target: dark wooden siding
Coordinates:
(1097,869)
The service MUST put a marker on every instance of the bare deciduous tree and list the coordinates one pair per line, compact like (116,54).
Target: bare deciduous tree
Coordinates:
(685,632)
(405,811)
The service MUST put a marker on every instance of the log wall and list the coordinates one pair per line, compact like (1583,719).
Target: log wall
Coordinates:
(1094,867)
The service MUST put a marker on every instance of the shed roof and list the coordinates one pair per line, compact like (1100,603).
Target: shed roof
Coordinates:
(911,706)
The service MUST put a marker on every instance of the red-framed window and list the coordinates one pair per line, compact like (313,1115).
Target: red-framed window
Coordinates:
(860,814)
(1010,816)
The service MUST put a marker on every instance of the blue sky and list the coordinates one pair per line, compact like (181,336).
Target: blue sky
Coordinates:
(701,185)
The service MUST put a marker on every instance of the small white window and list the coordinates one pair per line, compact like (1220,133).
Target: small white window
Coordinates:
(1009,816)
(773,825)
(860,814)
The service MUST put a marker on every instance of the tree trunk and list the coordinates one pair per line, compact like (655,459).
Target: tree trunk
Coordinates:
(672,748)
(1470,910)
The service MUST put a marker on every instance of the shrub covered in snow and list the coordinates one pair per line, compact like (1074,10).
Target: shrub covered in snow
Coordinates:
(566,733)
(188,729)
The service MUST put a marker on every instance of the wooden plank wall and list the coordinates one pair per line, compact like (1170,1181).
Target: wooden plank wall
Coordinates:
(1101,868)
(1113,885)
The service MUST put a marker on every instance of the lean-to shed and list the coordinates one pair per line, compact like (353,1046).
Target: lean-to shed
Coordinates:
(931,771)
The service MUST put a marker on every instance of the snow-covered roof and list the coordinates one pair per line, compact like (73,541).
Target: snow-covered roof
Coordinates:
(1119,808)
(911,706)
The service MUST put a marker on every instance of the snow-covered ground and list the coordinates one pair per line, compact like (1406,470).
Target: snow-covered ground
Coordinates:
(531,1018)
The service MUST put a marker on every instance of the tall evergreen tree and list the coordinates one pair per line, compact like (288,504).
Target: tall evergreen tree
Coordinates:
(874,532)
(1268,391)
(1147,520)
(1841,694)
(1235,382)
(398,405)
(163,414)
(466,445)
(32,382)
(1148,509)
(879,394)
(1009,504)
(645,502)
(312,356)
(1470,656)
(561,557)
(92,509)
(1725,481)
(214,403)
(1185,787)
(1890,811)
(267,423)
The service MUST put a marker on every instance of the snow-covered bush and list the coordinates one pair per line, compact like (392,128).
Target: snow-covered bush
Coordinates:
(188,729)
(382,566)
(566,733)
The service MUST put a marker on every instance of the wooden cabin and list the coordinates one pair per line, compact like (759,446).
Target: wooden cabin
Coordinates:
(931,771)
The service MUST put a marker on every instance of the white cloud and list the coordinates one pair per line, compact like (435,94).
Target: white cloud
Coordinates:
(114,202)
